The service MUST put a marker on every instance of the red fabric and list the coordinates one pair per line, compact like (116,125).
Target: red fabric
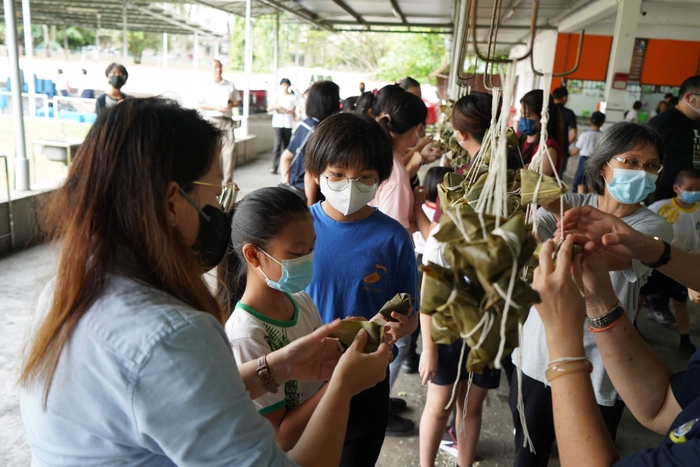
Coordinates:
(552,143)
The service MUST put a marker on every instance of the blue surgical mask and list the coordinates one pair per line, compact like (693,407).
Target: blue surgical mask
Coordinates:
(296,273)
(527,126)
(631,186)
(690,197)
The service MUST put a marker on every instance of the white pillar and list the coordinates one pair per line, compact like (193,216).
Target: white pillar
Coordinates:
(125,42)
(29,55)
(27,21)
(276,51)
(165,50)
(455,57)
(66,52)
(97,35)
(248,65)
(21,161)
(195,52)
(628,12)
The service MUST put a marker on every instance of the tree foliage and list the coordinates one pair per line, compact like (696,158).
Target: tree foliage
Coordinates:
(388,56)
(140,40)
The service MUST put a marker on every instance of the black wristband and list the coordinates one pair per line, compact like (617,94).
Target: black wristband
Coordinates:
(608,318)
(665,256)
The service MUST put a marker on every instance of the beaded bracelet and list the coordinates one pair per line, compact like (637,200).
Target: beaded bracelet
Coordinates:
(566,365)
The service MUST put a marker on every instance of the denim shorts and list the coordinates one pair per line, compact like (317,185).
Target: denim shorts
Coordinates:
(448,361)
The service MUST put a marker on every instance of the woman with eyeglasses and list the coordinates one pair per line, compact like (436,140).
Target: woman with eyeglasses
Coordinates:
(129,363)
(621,172)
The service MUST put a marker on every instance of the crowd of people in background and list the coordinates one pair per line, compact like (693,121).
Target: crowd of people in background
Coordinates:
(129,330)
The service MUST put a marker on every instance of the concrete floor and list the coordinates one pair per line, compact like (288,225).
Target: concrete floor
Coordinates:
(23,273)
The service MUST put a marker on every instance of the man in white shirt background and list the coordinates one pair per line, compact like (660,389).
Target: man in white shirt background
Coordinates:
(219,97)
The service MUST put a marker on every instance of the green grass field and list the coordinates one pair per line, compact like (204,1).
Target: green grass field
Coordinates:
(41,169)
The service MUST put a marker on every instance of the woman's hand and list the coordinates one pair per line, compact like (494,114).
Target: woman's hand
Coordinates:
(357,371)
(562,308)
(427,367)
(600,295)
(611,234)
(312,357)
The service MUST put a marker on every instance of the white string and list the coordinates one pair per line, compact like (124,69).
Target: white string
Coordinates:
(466,401)
(537,162)
(521,403)
(459,372)
(514,246)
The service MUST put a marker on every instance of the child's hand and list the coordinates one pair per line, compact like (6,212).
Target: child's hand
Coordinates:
(419,196)
(430,152)
(393,329)
(694,296)
(428,365)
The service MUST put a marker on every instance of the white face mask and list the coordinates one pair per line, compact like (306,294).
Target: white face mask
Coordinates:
(349,200)
(696,109)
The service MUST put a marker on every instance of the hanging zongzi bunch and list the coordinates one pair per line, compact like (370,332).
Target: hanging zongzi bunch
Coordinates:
(469,299)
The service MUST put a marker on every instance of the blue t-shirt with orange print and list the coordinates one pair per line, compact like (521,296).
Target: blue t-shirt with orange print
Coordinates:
(359,266)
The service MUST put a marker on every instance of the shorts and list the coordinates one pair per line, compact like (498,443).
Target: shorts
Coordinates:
(448,361)
(580,177)
(661,286)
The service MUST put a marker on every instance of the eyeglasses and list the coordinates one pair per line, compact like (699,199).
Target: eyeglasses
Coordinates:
(339,182)
(636,165)
(227,198)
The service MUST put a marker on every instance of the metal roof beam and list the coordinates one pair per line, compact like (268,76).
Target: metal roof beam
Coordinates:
(167,19)
(588,15)
(435,25)
(350,11)
(301,13)
(396,10)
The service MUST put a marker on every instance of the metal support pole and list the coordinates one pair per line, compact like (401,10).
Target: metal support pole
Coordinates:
(27,21)
(457,41)
(195,52)
(65,41)
(21,161)
(29,55)
(165,50)
(275,57)
(248,66)
(125,42)
(97,34)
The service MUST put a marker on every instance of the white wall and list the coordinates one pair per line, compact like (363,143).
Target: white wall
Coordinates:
(543,59)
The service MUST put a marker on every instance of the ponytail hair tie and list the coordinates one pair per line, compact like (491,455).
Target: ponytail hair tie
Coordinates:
(374,92)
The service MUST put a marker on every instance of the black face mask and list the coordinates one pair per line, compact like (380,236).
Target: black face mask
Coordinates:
(213,237)
(117,81)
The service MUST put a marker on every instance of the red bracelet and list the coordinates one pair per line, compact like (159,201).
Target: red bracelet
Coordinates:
(605,328)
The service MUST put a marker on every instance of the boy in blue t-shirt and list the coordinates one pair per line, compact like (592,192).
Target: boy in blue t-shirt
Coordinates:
(362,257)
